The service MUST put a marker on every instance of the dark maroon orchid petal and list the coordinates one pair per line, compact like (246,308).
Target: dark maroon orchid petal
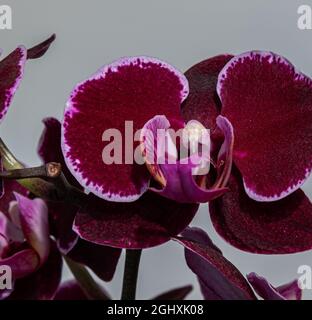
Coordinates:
(147,222)
(70,290)
(22,263)
(11,73)
(278,227)
(43,284)
(49,147)
(177,177)
(175,294)
(135,89)
(102,260)
(34,222)
(219,279)
(265,290)
(203,103)
(62,215)
(290,291)
(39,50)
(61,223)
(269,104)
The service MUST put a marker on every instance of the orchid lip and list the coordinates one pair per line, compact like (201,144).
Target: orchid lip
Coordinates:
(177,177)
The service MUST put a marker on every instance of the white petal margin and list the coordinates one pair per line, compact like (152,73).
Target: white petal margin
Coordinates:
(298,75)
(70,110)
(12,90)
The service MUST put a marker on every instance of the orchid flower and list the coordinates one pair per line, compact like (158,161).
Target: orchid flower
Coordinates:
(12,252)
(148,92)
(268,103)
(149,221)
(26,247)
(12,71)
(249,167)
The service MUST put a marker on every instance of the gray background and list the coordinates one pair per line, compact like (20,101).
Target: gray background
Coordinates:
(93,33)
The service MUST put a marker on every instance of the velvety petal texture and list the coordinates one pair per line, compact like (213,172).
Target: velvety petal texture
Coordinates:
(49,146)
(22,263)
(34,222)
(26,234)
(177,176)
(289,291)
(147,222)
(130,89)
(12,70)
(203,103)
(23,260)
(42,284)
(11,73)
(269,104)
(218,278)
(278,227)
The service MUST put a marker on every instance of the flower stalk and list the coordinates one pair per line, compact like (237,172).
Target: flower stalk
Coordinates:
(46,181)
(31,179)
(132,264)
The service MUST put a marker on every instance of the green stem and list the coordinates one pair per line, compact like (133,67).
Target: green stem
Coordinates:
(132,263)
(8,159)
(47,181)
(88,285)
(37,186)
